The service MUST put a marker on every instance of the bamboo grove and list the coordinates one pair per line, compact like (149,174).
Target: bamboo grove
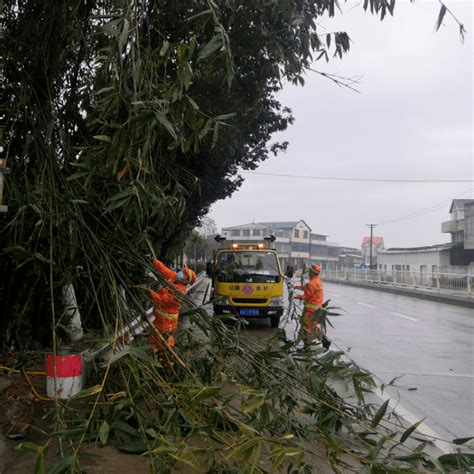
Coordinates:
(122,122)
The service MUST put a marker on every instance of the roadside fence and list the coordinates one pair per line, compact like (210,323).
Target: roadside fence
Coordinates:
(441,282)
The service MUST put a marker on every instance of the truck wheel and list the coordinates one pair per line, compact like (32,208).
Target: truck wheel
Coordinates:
(275,321)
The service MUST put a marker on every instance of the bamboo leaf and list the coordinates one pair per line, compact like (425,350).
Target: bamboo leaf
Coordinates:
(125,428)
(462,440)
(442,13)
(134,447)
(125,193)
(29,446)
(210,48)
(187,459)
(205,393)
(87,392)
(104,432)
(221,118)
(116,204)
(111,27)
(409,431)
(380,414)
(164,48)
(43,259)
(62,465)
(103,138)
(243,448)
(193,103)
(251,404)
(215,135)
(167,124)
(457,460)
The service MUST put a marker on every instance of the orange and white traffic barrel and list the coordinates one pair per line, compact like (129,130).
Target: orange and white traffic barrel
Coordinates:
(68,380)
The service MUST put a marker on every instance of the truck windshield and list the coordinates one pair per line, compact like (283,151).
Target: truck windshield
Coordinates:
(252,267)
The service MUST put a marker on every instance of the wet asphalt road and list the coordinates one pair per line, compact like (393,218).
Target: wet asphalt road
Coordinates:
(430,345)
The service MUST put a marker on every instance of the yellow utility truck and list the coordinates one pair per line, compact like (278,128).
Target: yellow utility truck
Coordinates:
(247,280)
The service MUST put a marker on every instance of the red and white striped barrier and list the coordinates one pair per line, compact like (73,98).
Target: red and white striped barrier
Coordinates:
(69,370)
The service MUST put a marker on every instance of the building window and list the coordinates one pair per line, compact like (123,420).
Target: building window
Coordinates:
(256,232)
(235,233)
(297,233)
(246,232)
(305,234)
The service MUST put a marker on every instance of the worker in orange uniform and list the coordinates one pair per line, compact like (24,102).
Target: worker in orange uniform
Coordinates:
(166,304)
(313,301)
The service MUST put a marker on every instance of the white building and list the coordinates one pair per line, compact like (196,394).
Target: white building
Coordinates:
(434,258)
(295,244)
(461,223)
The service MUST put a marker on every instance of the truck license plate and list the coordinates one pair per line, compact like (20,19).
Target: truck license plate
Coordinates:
(249,312)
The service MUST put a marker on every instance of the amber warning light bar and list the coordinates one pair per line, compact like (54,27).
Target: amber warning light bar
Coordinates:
(243,245)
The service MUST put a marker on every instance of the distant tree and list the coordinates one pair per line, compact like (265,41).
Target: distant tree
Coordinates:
(196,247)
(207,227)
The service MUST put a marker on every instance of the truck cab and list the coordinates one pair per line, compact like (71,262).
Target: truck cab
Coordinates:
(247,280)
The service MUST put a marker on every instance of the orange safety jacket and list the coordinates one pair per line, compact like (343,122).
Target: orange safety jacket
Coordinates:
(313,294)
(166,305)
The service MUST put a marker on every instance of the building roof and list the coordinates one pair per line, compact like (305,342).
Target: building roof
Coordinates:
(280,225)
(420,249)
(264,225)
(459,204)
(354,250)
(317,236)
(375,240)
(253,225)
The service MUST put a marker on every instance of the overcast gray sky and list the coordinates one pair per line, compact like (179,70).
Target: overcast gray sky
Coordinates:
(411,120)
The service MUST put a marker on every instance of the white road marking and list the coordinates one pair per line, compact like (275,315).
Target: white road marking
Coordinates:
(365,304)
(404,317)
(332,294)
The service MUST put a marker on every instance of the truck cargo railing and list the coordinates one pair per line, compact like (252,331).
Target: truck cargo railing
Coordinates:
(458,283)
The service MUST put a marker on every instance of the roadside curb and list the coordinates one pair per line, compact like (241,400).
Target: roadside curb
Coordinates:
(465,302)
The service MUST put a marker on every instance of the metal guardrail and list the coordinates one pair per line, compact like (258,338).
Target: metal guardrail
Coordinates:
(440,282)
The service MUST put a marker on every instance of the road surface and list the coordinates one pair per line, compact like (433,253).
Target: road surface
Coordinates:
(430,345)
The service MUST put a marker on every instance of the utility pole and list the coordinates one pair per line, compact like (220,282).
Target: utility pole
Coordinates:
(371,237)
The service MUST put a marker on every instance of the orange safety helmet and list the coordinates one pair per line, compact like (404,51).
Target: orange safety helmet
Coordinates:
(315,268)
(190,275)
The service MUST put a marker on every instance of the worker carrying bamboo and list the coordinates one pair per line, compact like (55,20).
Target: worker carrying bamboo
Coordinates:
(166,305)
(313,300)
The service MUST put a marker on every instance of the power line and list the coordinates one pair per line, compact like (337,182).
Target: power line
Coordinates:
(425,210)
(372,180)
